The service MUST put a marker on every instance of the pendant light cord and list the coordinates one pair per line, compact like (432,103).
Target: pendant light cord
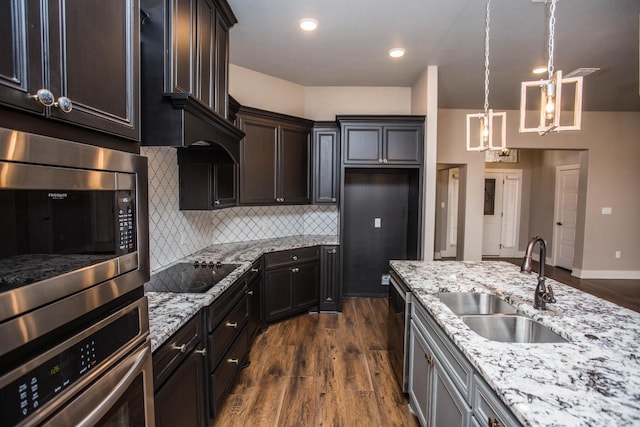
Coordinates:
(552,24)
(486,56)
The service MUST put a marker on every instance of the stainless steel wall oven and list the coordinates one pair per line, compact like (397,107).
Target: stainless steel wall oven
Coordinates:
(74,326)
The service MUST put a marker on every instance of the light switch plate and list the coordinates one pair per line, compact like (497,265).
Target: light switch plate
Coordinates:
(377,222)
(385,280)
(606,211)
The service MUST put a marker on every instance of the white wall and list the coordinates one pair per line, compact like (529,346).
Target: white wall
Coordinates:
(612,141)
(325,102)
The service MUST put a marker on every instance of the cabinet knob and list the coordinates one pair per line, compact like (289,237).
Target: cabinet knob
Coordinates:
(379,160)
(255,270)
(295,257)
(494,422)
(216,202)
(231,324)
(202,352)
(429,360)
(333,199)
(249,292)
(332,251)
(181,348)
(384,161)
(64,104)
(295,269)
(44,97)
(234,361)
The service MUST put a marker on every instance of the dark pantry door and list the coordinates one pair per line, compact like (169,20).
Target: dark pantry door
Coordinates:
(369,195)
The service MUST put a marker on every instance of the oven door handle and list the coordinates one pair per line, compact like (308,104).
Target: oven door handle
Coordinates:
(136,361)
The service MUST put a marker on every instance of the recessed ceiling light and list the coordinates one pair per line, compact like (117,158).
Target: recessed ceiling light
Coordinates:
(540,70)
(396,52)
(308,24)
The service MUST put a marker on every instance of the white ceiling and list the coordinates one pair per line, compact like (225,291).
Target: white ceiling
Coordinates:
(350,46)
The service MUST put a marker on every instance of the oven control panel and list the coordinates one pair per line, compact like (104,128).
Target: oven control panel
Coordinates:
(44,381)
(126,222)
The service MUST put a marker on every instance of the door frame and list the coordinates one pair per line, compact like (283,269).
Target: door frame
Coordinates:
(556,209)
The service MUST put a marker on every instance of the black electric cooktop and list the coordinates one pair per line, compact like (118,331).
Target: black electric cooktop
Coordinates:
(194,278)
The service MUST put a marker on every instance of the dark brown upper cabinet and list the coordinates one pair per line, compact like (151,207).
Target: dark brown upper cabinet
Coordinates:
(185,68)
(326,163)
(274,158)
(71,62)
(382,140)
(207,179)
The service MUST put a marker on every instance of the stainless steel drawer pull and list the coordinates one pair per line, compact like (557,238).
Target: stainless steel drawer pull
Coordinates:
(234,361)
(249,292)
(255,270)
(203,352)
(231,324)
(181,348)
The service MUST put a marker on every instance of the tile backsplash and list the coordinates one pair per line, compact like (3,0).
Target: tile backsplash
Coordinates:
(174,234)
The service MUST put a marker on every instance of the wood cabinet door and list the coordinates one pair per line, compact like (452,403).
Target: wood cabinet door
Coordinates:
(258,161)
(293,165)
(306,278)
(403,144)
(362,144)
(330,278)
(182,399)
(21,72)
(94,62)
(254,292)
(220,78)
(205,53)
(326,166)
(278,293)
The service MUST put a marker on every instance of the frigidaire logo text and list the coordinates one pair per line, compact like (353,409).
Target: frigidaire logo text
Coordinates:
(57,196)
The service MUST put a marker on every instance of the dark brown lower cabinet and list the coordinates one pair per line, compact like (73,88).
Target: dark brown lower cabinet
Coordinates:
(293,287)
(330,289)
(254,301)
(179,369)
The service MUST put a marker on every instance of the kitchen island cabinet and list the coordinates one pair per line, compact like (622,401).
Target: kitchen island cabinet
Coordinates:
(47,76)
(589,380)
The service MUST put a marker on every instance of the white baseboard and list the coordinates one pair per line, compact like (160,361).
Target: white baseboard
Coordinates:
(606,274)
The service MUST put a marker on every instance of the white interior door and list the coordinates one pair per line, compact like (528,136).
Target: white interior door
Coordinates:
(452,213)
(502,196)
(492,231)
(566,215)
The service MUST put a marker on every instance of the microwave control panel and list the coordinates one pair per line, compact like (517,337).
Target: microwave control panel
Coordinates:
(126,222)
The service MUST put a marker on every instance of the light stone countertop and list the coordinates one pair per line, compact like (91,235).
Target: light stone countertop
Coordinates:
(169,311)
(586,382)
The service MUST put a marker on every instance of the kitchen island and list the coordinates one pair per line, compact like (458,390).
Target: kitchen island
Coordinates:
(594,379)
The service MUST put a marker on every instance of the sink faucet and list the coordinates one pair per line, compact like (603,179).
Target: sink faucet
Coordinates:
(543,293)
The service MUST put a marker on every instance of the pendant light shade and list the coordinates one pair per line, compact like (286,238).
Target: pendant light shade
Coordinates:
(486,130)
(554,114)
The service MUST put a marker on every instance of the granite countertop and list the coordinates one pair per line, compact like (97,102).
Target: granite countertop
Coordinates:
(586,382)
(168,311)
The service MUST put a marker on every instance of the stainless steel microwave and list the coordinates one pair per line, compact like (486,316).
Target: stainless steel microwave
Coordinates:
(74,227)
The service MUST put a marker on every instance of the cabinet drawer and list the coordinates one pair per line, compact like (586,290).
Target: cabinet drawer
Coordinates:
(224,334)
(293,256)
(453,361)
(167,358)
(222,306)
(224,375)
(487,407)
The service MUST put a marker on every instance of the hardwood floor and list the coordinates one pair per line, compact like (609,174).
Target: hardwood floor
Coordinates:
(326,369)
(622,292)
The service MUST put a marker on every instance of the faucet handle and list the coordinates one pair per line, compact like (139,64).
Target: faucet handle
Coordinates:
(548,295)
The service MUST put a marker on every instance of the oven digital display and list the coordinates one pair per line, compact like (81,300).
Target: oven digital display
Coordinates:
(24,396)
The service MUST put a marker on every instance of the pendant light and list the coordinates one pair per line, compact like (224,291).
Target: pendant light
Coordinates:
(485,124)
(551,93)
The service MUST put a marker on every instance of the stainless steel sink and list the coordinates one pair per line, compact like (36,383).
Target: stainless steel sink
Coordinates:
(516,329)
(462,303)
